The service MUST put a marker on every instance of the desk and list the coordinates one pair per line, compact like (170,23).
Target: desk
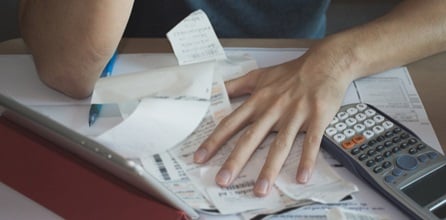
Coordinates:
(429,74)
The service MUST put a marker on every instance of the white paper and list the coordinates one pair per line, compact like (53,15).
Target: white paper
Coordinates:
(325,186)
(155,126)
(345,214)
(189,81)
(239,196)
(193,40)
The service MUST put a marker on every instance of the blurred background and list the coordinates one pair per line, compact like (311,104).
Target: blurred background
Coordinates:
(341,14)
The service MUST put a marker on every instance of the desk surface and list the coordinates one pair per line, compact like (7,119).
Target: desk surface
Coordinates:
(429,74)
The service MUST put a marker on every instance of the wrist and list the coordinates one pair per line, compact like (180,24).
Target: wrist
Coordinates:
(335,58)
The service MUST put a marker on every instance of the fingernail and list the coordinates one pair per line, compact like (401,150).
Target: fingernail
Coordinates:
(223,177)
(303,175)
(262,187)
(200,155)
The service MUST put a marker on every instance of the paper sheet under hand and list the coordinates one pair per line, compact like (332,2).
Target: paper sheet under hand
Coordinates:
(324,186)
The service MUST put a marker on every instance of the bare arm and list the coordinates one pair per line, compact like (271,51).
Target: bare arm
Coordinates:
(304,94)
(72,40)
(413,30)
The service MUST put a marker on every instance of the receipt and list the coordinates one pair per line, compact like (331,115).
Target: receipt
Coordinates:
(189,81)
(193,40)
(346,214)
(324,186)
(154,127)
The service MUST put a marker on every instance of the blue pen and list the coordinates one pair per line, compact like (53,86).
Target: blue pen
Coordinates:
(95,109)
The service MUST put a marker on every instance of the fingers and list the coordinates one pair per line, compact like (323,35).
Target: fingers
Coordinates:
(312,142)
(245,146)
(224,130)
(277,155)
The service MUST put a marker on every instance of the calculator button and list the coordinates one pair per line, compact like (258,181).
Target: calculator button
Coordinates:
(368,134)
(356,151)
(387,124)
(341,126)
(330,131)
(397,172)
(339,138)
(362,157)
(361,106)
(350,121)
(334,121)
(349,132)
(370,112)
(395,149)
(378,129)
(413,151)
(397,130)
(370,163)
(396,140)
(404,135)
(352,111)
(371,152)
(387,154)
(359,127)
(380,138)
(412,141)
(432,155)
(406,162)
(403,145)
(421,146)
(389,134)
(378,169)
(348,144)
(358,139)
(378,118)
(389,178)
(360,117)
(342,115)
(369,123)
(379,148)
(388,144)
(422,158)
(364,146)
(379,158)
(386,164)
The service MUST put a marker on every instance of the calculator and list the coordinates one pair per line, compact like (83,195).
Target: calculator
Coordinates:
(389,157)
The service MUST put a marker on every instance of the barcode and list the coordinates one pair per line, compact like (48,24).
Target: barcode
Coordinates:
(241,185)
(161,167)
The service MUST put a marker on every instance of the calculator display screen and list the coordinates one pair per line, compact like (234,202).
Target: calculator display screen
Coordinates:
(428,188)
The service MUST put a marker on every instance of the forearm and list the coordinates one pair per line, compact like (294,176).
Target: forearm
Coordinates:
(413,30)
(71,41)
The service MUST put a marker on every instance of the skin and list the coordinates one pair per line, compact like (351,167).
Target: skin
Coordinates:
(72,40)
(301,95)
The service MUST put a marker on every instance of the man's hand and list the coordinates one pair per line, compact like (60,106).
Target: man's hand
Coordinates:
(304,94)
(300,95)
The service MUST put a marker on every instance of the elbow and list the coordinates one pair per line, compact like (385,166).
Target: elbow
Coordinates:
(76,87)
